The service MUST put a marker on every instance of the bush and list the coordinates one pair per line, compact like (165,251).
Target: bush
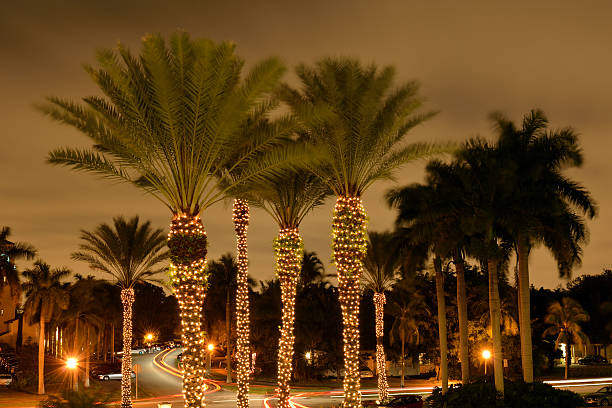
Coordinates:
(517,395)
(76,399)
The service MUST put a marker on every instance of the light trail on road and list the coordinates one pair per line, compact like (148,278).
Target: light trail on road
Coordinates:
(159,360)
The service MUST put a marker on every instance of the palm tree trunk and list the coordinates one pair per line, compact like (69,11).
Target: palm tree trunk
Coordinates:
(288,251)
(525,310)
(187,244)
(41,354)
(381,369)
(349,238)
(464,352)
(127,300)
(228,331)
(442,324)
(87,358)
(243,352)
(112,342)
(403,360)
(568,355)
(495,311)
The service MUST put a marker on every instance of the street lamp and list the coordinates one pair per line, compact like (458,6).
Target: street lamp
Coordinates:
(211,348)
(486,354)
(71,364)
(149,338)
(308,356)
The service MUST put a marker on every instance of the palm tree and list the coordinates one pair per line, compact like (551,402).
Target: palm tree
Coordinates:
(44,295)
(129,253)
(356,121)
(380,270)
(168,122)
(9,253)
(223,273)
(544,201)
(288,199)
(312,270)
(564,319)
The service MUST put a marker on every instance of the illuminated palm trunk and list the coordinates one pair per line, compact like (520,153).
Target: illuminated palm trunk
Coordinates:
(187,244)
(243,352)
(464,354)
(495,311)
(127,300)
(381,367)
(41,355)
(442,331)
(288,251)
(349,243)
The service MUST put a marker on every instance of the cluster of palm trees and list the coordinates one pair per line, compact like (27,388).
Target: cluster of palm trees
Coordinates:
(84,314)
(491,200)
(183,122)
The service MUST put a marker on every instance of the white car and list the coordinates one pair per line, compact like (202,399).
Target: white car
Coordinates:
(112,376)
(140,351)
(6,379)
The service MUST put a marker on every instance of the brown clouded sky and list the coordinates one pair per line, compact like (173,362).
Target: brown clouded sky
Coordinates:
(471,58)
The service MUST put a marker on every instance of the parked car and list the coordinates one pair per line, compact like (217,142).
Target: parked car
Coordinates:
(403,401)
(112,376)
(6,379)
(601,398)
(141,350)
(366,373)
(592,360)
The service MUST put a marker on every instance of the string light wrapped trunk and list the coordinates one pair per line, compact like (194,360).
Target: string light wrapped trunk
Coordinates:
(288,251)
(349,242)
(127,300)
(240,214)
(381,369)
(187,243)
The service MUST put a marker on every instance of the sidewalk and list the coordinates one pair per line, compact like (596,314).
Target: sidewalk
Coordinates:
(16,399)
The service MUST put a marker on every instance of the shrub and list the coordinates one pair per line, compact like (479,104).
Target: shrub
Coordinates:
(517,395)
(76,399)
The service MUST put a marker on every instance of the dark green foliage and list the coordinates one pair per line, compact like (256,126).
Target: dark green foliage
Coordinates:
(184,248)
(516,395)
(87,398)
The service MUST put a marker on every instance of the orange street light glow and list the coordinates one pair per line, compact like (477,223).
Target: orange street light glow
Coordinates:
(211,347)
(71,363)
(486,354)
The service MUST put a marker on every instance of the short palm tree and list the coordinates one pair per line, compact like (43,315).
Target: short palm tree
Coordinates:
(168,122)
(544,201)
(224,272)
(357,121)
(129,253)
(9,253)
(564,319)
(380,270)
(288,199)
(44,296)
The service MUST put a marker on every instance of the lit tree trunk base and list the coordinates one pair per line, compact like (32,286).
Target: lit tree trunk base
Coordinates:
(525,312)
(381,366)
(289,251)
(41,356)
(349,241)
(127,300)
(243,352)
(187,243)
(442,331)
(495,310)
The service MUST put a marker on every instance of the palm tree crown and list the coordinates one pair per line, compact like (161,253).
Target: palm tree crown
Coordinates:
(127,251)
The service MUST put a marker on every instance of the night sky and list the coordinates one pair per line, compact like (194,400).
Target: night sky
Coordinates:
(471,59)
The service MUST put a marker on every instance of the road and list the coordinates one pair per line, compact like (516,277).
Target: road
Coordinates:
(161,379)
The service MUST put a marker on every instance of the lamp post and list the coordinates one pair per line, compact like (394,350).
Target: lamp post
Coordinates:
(149,339)
(72,364)
(211,348)
(486,355)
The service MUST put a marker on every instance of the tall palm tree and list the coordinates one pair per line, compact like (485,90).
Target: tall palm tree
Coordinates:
(312,270)
(224,273)
(380,270)
(564,319)
(544,200)
(430,216)
(168,122)
(9,253)
(357,121)
(129,253)
(288,199)
(44,295)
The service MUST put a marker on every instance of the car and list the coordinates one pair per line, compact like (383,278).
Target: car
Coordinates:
(141,350)
(592,360)
(113,376)
(403,401)
(5,379)
(601,398)
(366,373)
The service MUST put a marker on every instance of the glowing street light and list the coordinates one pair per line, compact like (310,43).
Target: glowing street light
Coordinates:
(486,354)
(308,356)
(211,348)
(71,364)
